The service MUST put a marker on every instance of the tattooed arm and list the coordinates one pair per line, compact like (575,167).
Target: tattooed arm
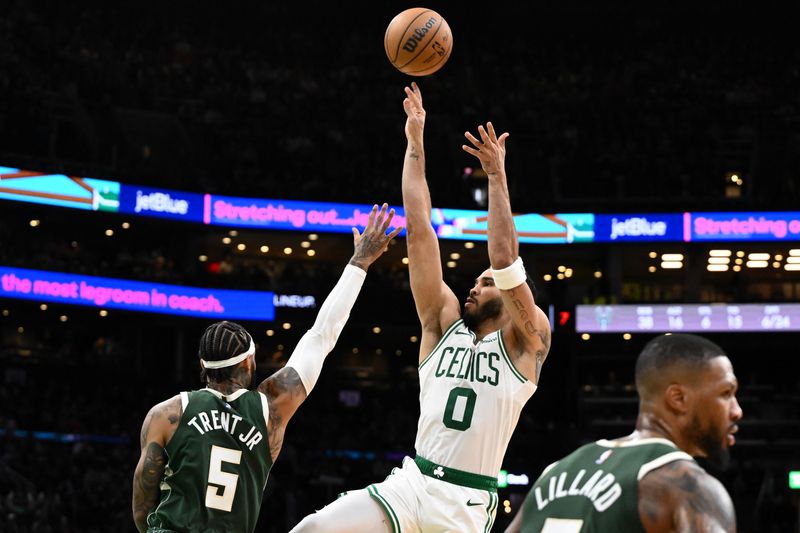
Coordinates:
(437,305)
(681,496)
(158,427)
(285,392)
(528,336)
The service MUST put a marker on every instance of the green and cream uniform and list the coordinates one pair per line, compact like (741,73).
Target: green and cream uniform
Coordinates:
(218,461)
(596,488)
(470,401)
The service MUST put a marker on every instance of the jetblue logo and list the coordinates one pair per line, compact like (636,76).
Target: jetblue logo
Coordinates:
(160,202)
(637,227)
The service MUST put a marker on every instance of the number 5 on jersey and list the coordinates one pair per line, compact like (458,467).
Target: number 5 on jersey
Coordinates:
(226,480)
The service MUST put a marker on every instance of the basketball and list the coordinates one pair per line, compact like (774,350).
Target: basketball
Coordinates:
(418,41)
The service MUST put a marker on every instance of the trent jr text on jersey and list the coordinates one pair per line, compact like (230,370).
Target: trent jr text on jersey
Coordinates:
(214,420)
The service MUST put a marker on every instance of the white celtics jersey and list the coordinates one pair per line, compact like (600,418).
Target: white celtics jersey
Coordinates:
(470,400)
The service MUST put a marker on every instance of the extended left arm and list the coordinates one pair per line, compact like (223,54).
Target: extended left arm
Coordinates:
(288,388)
(530,339)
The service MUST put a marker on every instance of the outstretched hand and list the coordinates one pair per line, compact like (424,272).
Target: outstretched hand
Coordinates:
(490,150)
(415,113)
(371,244)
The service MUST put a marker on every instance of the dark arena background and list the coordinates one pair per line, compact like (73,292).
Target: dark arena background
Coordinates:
(653,163)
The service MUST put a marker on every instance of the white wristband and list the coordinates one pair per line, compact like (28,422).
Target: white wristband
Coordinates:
(510,277)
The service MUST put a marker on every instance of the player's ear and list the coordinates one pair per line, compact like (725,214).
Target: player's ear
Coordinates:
(677,398)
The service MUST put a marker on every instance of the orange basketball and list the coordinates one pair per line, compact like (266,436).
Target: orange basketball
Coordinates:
(418,41)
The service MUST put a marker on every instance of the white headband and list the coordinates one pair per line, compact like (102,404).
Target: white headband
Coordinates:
(235,360)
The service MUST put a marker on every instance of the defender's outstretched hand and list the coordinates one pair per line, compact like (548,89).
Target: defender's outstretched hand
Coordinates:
(371,244)
(415,113)
(490,150)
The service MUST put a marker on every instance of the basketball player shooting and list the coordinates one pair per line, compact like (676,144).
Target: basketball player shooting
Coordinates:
(206,454)
(477,368)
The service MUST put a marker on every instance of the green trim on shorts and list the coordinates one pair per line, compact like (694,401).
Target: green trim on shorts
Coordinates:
(456,477)
(372,490)
(508,358)
(490,507)
(439,344)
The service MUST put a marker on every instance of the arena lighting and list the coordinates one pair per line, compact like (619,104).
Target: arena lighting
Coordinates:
(34,223)
(264,249)
(126,225)
(795,252)
(451,264)
(241,247)
(568,273)
(652,255)
(757,264)
(740,254)
(455,256)
(311,253)
(287,325)
(287,251)
(313,236)
(547,277)
(376,330)
(736,268)
(560,276)
(404,260)
(758,257)
(717,268)
(414,338)
(778,257)
(776,264)
(270,332)
(598,274)
(20,330)
(671,257)
(718,260)
(667,265)
(469,245)
(651,268)
(103,313)
(793,268)
(719,253)
(792,260)
(504,479)
(109,233)
(586,336)
(562,268)
(794,479)
(226,240)
(43,307)
(305,244)
(203,258)
(626,336)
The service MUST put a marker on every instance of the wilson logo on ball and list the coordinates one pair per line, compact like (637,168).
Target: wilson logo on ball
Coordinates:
(419,33)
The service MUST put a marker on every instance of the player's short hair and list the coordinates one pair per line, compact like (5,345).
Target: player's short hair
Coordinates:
(666,351)
(222,340)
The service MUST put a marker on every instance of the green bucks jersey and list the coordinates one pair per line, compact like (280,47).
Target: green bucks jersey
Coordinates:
(596,488)
(217,464)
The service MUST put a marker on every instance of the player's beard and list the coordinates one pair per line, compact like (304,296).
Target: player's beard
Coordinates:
(712,444)
(474,317)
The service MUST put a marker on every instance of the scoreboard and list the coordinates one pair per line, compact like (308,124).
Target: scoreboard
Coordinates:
(687,317)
